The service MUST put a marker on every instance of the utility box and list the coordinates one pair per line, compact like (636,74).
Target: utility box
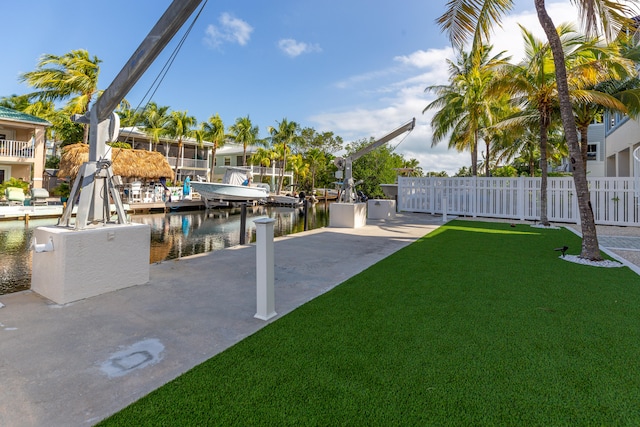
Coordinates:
(347,215)
(381,209)
(84,263)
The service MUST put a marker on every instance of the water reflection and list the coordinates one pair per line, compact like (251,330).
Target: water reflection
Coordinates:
(173,235)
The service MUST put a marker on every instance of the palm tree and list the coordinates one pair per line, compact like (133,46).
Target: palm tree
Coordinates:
(243,132)
(155,121)
(316,160)
(465,105)
(533,84)
(299,167)
(72,76)
(611,84)
(465,17)
(180,126)
(213,131)
(286,135)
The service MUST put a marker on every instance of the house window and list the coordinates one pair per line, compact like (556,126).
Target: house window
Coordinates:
(592,151)
(227,161)
(239,161)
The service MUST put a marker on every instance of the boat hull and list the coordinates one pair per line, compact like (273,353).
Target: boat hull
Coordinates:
(230,192)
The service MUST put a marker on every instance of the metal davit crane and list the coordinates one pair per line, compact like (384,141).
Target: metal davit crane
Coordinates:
(94,187)
(348,192)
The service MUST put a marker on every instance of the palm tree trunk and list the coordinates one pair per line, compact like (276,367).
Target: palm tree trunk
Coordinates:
(590,247)
(584,143)
(487,169)
(178,157)
(474,154)
(544,126)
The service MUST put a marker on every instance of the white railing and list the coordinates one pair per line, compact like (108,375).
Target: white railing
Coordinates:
(613,200)
(269,171)
(188,163)
(22,149)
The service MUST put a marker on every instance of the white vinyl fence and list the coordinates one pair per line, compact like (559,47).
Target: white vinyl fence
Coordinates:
(613,199)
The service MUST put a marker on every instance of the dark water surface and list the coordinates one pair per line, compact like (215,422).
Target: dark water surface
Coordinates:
(173,235)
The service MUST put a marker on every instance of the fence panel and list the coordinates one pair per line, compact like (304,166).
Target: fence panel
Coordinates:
(613,200)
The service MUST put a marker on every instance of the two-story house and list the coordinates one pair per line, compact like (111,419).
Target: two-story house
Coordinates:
(22,146)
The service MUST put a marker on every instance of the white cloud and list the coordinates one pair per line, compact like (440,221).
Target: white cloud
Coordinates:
(509,37)
(231,30)
(401,96)
(295,48)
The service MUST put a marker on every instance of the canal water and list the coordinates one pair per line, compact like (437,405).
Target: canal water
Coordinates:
(173,235)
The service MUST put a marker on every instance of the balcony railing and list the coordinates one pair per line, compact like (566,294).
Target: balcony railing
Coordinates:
(188,163)
(20,149)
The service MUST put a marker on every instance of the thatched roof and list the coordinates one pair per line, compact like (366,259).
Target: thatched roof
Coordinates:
(127,163)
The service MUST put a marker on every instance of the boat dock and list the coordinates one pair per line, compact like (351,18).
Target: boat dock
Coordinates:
(76,364)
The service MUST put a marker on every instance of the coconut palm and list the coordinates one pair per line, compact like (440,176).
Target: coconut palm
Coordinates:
(213,131)
(155,121)
(532,83)
(465,105)
(612,84)
(287,134)
(466,17)
(72,77)
(180,126)
(243,132)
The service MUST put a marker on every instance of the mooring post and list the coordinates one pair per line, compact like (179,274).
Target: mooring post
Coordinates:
(306,211)
(265,295)
(243,223)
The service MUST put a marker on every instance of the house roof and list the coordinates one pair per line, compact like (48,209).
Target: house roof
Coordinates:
(231,148)
(19,116)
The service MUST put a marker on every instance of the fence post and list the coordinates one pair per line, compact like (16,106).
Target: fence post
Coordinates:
(521,198)
(444,208)
(474,196)
(265,296)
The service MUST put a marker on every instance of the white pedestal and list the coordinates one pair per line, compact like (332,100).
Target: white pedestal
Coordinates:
(347,215)
(381,209)
(265,269)
(90,262)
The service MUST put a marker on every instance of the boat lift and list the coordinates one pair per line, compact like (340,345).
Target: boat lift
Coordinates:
(345,165)
(94,187)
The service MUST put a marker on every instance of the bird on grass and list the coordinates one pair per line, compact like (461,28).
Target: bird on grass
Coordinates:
(562,249)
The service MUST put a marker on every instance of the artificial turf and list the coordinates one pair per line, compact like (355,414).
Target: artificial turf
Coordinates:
(474,324)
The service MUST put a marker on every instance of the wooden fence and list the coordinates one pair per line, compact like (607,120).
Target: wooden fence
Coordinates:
(613,200)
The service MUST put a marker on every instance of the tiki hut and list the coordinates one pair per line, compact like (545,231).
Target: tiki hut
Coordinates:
(128,163)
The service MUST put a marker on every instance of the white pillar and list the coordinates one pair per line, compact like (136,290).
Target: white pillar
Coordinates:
(265,296)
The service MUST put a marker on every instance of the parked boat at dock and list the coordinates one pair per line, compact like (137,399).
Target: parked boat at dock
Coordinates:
(236,187)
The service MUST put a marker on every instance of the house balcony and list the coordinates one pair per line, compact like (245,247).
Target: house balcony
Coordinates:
(188,163)
(16,149)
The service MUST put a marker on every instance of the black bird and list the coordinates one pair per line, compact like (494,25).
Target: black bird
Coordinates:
(562,249)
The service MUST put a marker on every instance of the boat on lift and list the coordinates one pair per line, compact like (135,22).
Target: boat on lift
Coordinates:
(236,186)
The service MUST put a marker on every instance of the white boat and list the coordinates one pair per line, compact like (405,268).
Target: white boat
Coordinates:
(235,187)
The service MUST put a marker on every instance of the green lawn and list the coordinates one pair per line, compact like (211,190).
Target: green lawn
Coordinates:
(475,324)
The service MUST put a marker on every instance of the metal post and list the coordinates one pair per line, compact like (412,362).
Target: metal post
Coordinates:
(306,210)
(243,223)
(265,295)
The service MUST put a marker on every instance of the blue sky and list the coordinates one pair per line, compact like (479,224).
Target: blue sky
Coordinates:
(354,67)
